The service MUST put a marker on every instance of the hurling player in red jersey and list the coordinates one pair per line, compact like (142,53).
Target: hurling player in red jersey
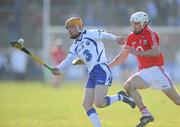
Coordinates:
(143,42)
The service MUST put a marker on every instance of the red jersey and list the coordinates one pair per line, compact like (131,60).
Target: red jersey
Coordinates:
(146,40)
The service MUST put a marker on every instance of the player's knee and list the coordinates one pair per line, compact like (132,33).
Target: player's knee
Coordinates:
(86,105)
(99,104)
(128,86)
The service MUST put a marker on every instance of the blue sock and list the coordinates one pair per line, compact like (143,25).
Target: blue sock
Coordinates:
(93,116)
(114,98)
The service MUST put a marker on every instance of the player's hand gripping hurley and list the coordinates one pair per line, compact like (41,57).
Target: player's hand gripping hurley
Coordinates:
(19,45)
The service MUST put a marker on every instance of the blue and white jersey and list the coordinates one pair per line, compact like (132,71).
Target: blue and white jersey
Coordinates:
(89,48)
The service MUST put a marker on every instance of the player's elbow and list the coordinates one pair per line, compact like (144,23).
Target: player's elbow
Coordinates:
(156,51)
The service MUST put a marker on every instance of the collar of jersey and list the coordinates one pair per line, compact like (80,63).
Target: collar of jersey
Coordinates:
(80,36)
(145,29)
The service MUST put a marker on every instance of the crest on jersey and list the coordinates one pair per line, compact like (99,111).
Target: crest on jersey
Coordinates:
(145,42)
(87,42)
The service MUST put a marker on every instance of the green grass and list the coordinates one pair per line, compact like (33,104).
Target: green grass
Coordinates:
(40,105)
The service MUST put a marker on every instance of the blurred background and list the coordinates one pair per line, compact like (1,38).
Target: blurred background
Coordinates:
(41,24)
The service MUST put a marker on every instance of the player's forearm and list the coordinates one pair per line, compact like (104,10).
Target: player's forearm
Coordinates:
(119,59)
(109,36)
(65,63)
(120,40)
(151,52)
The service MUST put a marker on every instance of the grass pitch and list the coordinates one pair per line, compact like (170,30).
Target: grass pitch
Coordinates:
(35,104)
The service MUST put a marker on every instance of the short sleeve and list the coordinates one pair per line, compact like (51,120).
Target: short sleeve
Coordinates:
(153,38)
(100,34)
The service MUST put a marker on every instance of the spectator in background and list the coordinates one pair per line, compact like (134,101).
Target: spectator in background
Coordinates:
(58,54)
(14,20)
(13,29)
(178,16)
(162,10)
(3,61)
(34,20)
(172,19)
(18,62)
(151,8)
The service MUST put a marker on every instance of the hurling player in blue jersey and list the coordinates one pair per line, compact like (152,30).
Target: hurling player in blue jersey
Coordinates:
(87,46)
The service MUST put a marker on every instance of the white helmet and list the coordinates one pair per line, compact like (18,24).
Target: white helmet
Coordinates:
(141,17)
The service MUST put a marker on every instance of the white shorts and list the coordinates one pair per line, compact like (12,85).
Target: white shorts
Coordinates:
(156,77)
